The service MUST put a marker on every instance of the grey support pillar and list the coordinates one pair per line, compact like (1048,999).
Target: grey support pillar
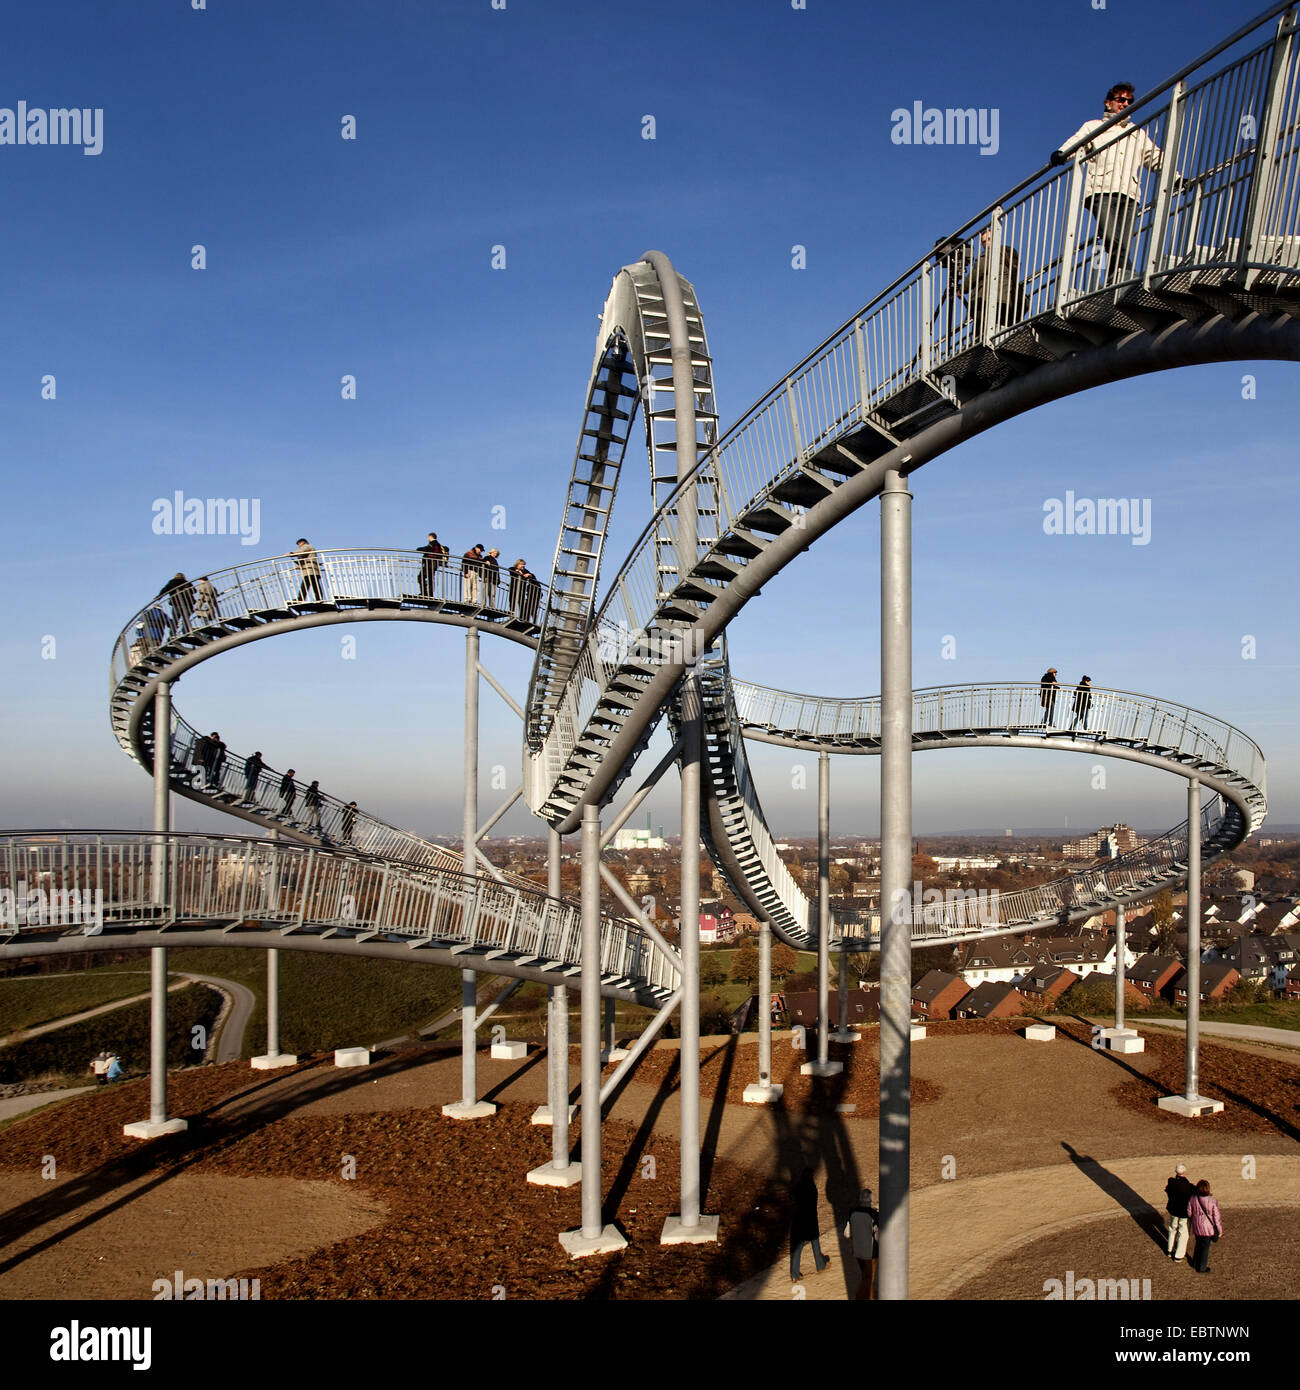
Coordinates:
(469,1107)
(688,1225)
(823,1066)
(843,1033)
(762,1091)
(273,1057)
(895,890)
(609,1051)
(158,1123)
(1191,1102)
(1119,967)
(592,1237)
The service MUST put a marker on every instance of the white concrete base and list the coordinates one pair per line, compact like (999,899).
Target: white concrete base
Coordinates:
(548,1175)
(1122,1040)
(616,1054)
(611,1238)
(270,1060)
(542,1115)
(758,1094)
(918,1031)
(848,1036)
(821,1068)
(1041,1032)
(351,1056)
(1190,1109)
(147,1129)
(473,1110)
(509,1051)
(848,1108)
(674,1233)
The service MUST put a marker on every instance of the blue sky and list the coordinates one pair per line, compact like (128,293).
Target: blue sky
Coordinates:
(522,128)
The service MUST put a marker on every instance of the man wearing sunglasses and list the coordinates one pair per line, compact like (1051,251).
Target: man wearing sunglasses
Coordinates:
(1113,191)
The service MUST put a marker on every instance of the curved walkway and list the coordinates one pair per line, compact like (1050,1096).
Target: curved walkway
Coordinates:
(1241,1032)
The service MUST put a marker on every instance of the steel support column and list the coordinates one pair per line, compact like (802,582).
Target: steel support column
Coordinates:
(823,1066)
(162,817)
(1119,965)
(559,1172)
(1191,1088)
(688,1225)
(895,891)
(762,1091)
(273,1057)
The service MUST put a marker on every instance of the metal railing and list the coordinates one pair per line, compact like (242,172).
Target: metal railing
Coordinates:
(151,880)
(292,584)
(1223,203)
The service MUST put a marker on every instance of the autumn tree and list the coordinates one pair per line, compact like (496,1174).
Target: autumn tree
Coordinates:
(713,970)
(784,960)
(1162,919)
(744,964)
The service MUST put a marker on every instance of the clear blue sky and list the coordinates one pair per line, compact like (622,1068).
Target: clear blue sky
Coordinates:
(523,127)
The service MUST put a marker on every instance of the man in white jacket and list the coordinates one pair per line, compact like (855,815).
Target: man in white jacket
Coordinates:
(1113,190)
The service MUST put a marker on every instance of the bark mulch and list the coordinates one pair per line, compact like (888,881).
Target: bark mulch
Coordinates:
(463,1223)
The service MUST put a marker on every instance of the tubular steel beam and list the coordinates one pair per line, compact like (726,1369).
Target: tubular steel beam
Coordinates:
(591,1188)
(1193,1081)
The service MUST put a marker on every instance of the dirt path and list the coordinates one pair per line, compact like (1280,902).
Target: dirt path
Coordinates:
(24,1034)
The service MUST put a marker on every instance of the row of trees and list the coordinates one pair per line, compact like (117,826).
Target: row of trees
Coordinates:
(744,964)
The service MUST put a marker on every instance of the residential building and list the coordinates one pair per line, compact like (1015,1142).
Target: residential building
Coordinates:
(937,994)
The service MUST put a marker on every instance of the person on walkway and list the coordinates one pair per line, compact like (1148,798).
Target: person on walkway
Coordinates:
(861,1228)
(434,553)
(312,801)
(99,1065)
(253,775)
(804,1227)
(180,592)
(1206,1222)
(524,592)
(217,761)
(113,1072)
(288,793)
(1112,190)
(205,606)
(1178,1191)
(202,756)
(308,563)
(1047,688)
(1012,305)
(491,578)
(349,821)
(471,569)
(154,625)
(1082,704)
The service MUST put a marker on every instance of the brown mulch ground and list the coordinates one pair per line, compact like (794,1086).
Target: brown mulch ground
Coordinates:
(734,1065)
(422,1168)
(1250,1261)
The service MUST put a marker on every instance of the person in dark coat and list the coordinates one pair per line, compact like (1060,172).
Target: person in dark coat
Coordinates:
(202,755)
(1047,688)
(1082,704)
(1206,1222)
(217,760)
(861,1229)
(434,553)
(181,593)
(1178,1192)
(524,592)
(252,775)
(804,1226)
(491,578)
(288,793)
(349,821)
(312,802)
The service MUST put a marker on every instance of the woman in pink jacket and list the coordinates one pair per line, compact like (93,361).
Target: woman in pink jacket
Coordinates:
(1206,1224)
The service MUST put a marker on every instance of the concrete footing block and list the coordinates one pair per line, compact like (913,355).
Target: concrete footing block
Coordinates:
(847,1036)
(1190,1109)
(610,1239)
(1124,1040)
(351,1056)
(548,1175)
(705,1232)
(151,1129)
(918,1031)
(469,1110)
(509,1051)
(542,1115)
(1041,1032)
(821,1068)
(270,1060)
(758,1094)
(616,1054)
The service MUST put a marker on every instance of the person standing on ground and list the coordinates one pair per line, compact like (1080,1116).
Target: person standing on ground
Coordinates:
(863,1222)
(1113,190)
(1178,1191)
(308,563)
(804,1227)
(1047,688)
(113,1071)
(1082,704)
(1206,1222)
(252,775)
(288,793)
(312,800)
